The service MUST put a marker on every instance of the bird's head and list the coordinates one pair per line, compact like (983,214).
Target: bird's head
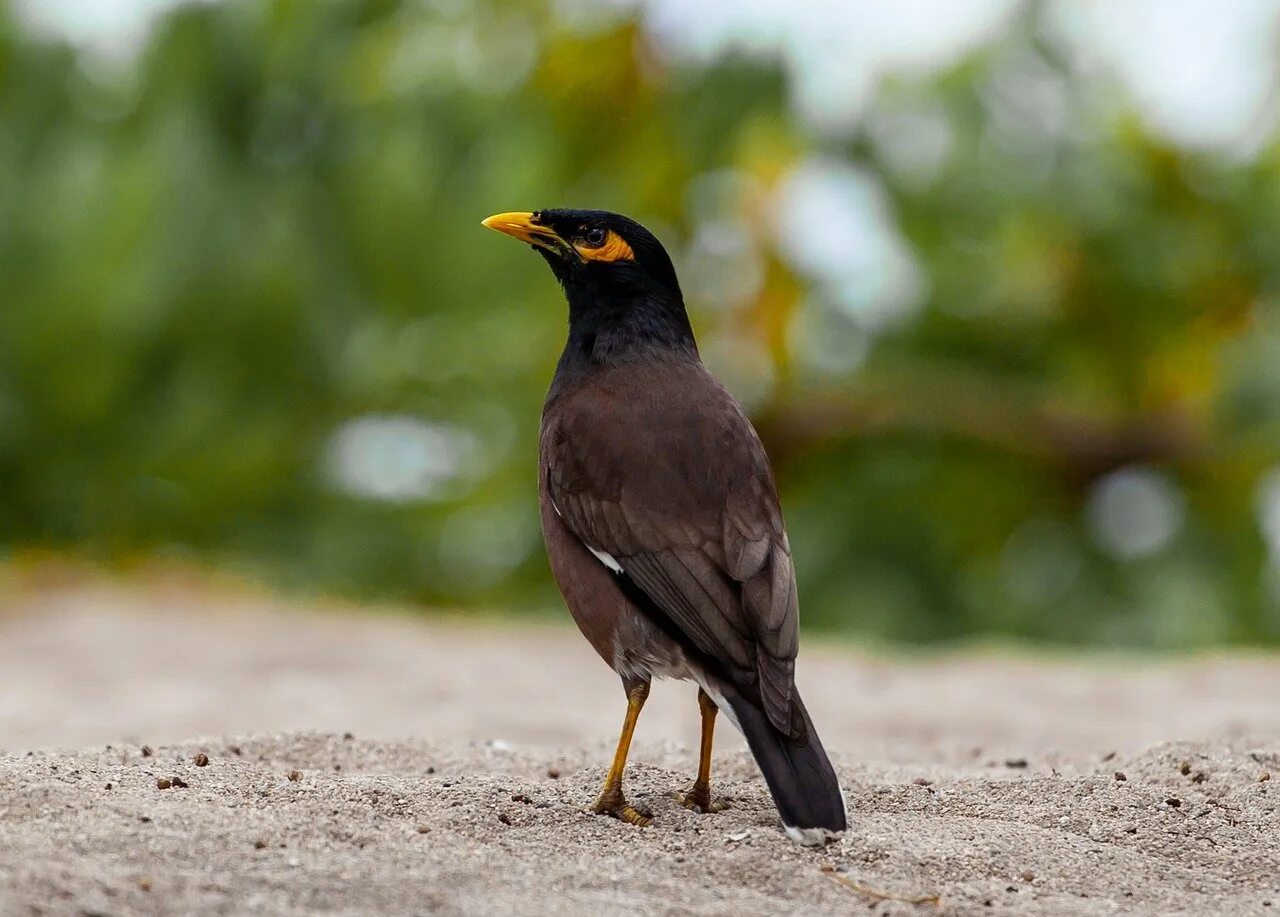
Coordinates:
(593,249)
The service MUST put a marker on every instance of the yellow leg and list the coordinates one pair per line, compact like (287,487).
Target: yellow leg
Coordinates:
(699,795)
(611,801)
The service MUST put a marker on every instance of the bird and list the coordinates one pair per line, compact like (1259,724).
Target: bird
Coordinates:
(661,518)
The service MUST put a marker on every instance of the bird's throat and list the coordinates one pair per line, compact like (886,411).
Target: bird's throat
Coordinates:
(601,340)
(621,328)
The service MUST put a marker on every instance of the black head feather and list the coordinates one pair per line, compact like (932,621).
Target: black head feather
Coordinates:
(621,305)
(650,267)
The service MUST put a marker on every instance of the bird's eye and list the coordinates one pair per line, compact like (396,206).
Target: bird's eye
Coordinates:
(594,237)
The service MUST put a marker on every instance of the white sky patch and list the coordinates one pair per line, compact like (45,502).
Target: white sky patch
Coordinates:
(115,29)
(1202,73)
(834,51)
(398,458)
(835,226)
(1134,512)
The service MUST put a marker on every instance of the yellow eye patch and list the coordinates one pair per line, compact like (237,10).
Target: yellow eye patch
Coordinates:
(615,248)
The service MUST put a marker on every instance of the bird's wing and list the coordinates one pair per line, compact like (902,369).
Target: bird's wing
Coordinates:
(668,484)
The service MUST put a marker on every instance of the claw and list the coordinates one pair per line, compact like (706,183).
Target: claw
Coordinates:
(634,816)
(618,807)
(698,798)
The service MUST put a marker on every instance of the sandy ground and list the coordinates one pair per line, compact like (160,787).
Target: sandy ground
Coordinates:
(442,768)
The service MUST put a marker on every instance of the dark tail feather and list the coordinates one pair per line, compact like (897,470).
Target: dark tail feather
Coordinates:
(799,773)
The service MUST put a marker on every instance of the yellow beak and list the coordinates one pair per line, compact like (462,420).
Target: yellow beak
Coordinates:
(523,226)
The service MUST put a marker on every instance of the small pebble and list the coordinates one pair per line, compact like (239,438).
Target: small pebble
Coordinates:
(424,829)
(1173,801)
(1120,777)
(259,845)
(553,773)
(179,782)
(295,776)
(504,818)
(201,760)
(145,885)
(146,751)
(163,783)
(1184,769)
(1265,777)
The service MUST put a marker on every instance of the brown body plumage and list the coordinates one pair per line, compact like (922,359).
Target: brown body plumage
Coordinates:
(690,511)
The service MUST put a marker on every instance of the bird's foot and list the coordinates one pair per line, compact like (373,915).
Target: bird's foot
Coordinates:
(698,798)
(615,805)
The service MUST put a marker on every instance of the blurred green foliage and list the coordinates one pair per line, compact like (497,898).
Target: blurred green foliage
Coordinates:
(217,258)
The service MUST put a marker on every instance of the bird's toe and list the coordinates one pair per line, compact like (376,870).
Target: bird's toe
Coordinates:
(616,806)
(698,798)
(632,815)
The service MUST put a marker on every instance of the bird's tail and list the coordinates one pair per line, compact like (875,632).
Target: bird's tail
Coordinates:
(798,772)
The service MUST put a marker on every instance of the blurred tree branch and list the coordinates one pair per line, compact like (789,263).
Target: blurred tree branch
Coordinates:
(1077,446)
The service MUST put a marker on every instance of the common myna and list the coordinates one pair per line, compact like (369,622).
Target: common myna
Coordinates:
(661,518)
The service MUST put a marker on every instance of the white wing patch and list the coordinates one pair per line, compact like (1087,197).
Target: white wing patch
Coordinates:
(603,556)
